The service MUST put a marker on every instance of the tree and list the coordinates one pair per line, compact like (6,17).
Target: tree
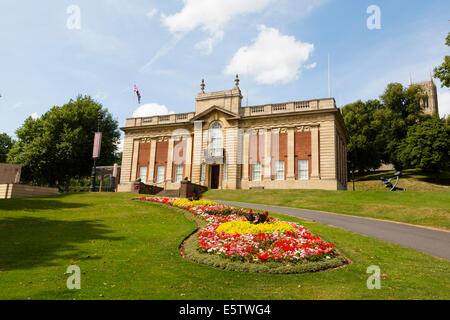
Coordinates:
(443,71)
(363,153)
(58,146)
(402,108)
(378,127)
(6,143)
(426,146)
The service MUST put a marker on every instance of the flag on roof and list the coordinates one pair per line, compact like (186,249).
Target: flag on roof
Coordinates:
(136,91)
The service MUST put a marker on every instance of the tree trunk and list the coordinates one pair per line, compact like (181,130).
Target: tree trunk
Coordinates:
(67,184)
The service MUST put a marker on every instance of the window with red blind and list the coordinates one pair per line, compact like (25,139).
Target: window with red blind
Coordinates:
(256,154)
(143,160)
(302,151)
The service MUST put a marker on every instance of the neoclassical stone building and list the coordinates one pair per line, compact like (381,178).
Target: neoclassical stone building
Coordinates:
(223,145)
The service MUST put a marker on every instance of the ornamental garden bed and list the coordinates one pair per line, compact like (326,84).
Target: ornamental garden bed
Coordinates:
(237,239)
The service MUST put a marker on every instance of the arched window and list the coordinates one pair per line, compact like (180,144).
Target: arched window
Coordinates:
(216,136)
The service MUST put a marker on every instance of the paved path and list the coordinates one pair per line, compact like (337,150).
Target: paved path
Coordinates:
(431,241)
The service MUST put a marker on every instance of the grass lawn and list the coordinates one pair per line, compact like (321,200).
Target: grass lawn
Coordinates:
(430,209)
(411,179)
(129,250)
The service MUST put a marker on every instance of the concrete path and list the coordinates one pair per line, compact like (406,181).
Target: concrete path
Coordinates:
(427,240)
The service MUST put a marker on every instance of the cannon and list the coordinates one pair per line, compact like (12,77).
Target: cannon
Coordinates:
(388,183)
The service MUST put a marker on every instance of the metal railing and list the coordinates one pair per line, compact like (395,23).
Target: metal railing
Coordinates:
(214,155)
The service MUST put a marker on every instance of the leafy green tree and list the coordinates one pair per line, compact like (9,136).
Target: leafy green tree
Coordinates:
(58,146)
(377,127)
(401,108)
(6,143)
(363,153)
(426,146)
(443,71)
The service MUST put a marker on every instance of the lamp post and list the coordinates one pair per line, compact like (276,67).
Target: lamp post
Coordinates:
(96,154)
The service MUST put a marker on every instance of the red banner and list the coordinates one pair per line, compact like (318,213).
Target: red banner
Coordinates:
(97,145)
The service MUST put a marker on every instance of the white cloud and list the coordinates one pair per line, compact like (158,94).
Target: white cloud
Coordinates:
(311,66)
(150,109)
(271,58)
(152,13)
(207,45)
(210,16)
(34,116)
(444,103)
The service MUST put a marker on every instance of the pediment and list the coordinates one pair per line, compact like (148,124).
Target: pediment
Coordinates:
(228,114)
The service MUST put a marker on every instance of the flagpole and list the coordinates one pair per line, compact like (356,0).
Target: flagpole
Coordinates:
(329,77)
(247,85)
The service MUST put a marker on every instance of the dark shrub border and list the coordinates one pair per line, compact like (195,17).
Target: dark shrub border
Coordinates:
(188,249)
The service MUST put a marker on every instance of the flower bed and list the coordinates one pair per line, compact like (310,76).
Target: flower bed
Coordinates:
(271,240)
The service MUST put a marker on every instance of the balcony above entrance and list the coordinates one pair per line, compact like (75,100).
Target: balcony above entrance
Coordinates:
(214,155)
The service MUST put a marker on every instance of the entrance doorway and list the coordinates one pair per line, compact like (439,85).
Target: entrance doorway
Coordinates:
(215,171)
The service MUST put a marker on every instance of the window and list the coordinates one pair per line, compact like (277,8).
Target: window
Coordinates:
(225,172)
(203,172)
(160,174)
(179,173)
(279,170)
(256,171)
(143,174)
(303,169)
(216,136)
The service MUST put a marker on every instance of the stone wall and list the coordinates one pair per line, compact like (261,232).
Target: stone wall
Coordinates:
(8,191)
(187,188)
(147,189)
(10,173)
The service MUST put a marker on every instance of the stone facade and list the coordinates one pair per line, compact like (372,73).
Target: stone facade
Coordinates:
(222,145)
(430,106)
(14,190)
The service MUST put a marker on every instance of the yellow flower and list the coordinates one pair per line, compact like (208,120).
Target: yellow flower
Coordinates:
(243,227)
(187,202)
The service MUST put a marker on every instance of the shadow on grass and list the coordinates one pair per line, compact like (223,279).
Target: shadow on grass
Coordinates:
(29,242)
(33,204)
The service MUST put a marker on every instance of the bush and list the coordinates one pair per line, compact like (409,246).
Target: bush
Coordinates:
(81,184)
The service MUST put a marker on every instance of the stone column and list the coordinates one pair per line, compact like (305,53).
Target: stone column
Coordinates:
(17,177)
(134,159)
(151,163)
(127,159)
(169,161)
(345,164)
(268,155)
(197,148)
(290,174)
(245,163)
(220,176)
(188,163)
(232,153)
(315,153)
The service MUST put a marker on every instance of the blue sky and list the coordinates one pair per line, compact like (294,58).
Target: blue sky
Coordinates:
(167,47)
